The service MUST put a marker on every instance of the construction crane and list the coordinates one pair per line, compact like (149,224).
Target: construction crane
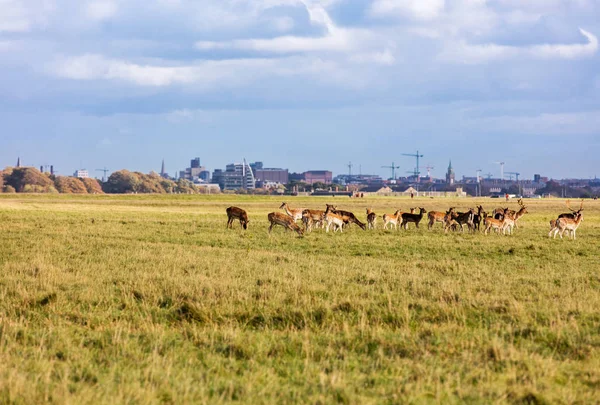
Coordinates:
(429,169)
(501,169)
(350,165)
(478,172)
(393,167)
(416,173)
(516,174)
(489,175)
(104,171)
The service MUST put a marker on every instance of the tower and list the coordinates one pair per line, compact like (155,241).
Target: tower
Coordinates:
(19,161)
(162,168)
(450,174)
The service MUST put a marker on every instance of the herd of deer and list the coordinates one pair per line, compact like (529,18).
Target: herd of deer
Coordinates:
(502,219)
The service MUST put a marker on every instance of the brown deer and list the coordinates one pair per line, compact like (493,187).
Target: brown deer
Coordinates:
(493,223)
(371,219)
(331,218)
(477,218)
(294,213)
(237,213)
(436,216)
(313,217)
(412,217)
(522,211)
(277,218)
(392,219)
(567,224)
(348,217)
(573,214)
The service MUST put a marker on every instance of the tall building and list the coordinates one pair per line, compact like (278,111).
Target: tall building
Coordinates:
(195,173)
(162,169)
(450,174)
(195,163)
(237,176)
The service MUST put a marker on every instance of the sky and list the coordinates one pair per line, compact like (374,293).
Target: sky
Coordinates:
(302,84)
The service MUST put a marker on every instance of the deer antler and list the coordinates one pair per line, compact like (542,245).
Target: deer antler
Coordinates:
(581,206)
(520,201)
(569,206)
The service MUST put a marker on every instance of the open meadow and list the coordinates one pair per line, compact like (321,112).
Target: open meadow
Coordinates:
(148,299)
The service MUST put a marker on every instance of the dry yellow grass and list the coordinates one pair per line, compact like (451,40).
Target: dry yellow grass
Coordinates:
(149,299)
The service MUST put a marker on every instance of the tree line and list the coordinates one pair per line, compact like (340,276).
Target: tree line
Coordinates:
(31,180)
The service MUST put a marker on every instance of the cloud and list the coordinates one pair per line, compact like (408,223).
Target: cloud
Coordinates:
(202,74)
(100,10)
(415,9)
(463,52)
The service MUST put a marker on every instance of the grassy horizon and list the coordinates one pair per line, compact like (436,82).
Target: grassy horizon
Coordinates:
(149,299)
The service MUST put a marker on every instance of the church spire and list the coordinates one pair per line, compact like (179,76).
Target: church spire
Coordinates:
(162,168)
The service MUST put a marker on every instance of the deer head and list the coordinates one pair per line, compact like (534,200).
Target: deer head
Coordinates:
(283,205)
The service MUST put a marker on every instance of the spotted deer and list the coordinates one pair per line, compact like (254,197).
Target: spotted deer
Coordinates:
(237,213)
(493,223)
(567,224)
(294,213)
(277,218)
(371,219)
(436,216)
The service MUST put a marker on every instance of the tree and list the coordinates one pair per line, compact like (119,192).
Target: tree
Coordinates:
(122,181)
(92,186)
(69,185)
(29,179)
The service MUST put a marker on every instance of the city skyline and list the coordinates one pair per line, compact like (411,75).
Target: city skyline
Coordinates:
(302,84)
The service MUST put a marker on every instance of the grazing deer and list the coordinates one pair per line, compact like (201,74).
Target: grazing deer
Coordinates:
(294,213)
(371,219)
(277,218)
(567,224)
(348,217)
(237,213)
(412,217)
(493,223)
(392,219)
(332,218)
(312,217)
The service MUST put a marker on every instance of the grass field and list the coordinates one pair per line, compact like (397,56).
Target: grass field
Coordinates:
(149,299)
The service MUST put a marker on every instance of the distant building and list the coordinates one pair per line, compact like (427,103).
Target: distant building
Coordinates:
(237,176)
(271,175)
(318,176)
(450,174)
(195,173)
(82,174)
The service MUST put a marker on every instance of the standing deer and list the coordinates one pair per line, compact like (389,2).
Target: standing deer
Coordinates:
(436,216)
(493,223)
(462,219)
(392,219)
(332,218)
(294,213)
(371,219)
(567,224)
(277,218)
(237,213)
(477,218)
(313,217)
(522,211)
(414,218)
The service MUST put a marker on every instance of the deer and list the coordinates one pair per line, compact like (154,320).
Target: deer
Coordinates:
(412,217)
(462,219)
(509,223)
(567,224)
(392,219)
(436,216)
(493,223)
(522,211)
(277,218)
(499,213)
(311,217)
(477,218)
(371,219)
(237,213)
(333,218)
(348,217)
(294,213)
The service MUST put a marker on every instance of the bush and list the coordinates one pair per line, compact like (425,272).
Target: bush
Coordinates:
(28,179)
(92,186)
(9,189)
(69,185)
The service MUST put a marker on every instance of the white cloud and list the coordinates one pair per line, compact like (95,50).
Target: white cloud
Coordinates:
(99,10)
(462,52)
(417,9)
(202,75)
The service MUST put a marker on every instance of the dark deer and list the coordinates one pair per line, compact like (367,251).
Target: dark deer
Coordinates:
(478,218)
(237,213)
(414,218)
